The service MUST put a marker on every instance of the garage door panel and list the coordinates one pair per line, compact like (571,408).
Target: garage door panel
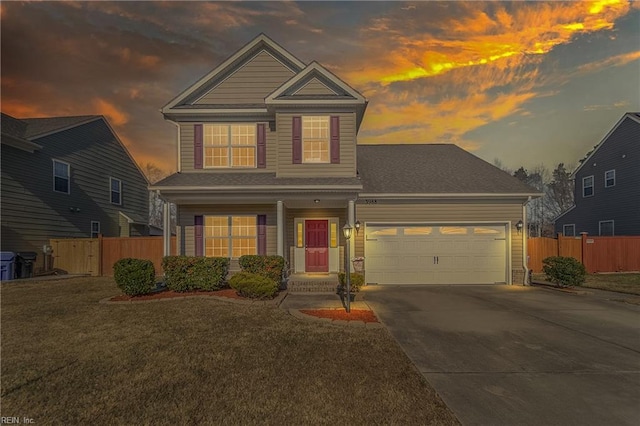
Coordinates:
(447,254)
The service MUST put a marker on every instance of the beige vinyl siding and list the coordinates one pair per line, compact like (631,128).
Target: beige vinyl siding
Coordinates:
(347,166)
(32,213)
(314,87)
(435,212)
(251,83)
(186,221)
(187,154)
(124,226)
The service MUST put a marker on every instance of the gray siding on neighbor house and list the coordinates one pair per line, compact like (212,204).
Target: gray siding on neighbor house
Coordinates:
(439,212)
(347,165)
(187,150)
(251,83)
(187,213)
(314,87)
(32,213)
(620,203)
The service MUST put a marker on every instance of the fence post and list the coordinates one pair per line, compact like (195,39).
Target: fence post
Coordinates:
(100,251)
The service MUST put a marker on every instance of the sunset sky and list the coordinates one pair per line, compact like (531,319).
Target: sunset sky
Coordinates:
(523,82)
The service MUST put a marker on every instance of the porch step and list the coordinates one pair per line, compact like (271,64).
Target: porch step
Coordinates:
(312,283)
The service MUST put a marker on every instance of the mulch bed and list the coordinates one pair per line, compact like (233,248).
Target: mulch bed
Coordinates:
(341,314)
(170,294)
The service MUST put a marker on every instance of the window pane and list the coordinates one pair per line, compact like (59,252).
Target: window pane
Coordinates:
(115,197)
(384,231)
(453,230)
(243,226)
(61,184)
(418,230)
(216,226)
(243,134)
(334,234)
(61,169)
(243,157)
(216,134)
(242,246)
(216,157)
(216,247)
(300,236)
(315,136)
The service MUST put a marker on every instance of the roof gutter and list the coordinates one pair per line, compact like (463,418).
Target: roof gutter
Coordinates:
(400,196)
(258,188)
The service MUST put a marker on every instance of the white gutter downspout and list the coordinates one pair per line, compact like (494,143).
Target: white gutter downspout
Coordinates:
(525,228)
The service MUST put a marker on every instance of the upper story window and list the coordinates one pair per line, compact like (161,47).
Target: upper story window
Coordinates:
(609,178)
(315,139)
(61,177)
(95,229)
(587,186)
(569,230)
(116,190)
(229,145)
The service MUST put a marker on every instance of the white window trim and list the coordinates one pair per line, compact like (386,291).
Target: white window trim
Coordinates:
(229,236)
(328,119)
(584,179)
(614,178)
(92,231)
(111,179)
(229,146)
(54,161)
(574,230)
(613,228)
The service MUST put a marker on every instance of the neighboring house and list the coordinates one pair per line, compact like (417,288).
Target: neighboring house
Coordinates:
(67,177)
(269,164)
(607,186)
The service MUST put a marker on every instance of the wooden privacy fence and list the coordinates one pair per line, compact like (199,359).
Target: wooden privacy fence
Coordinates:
(96,256)
(597,254)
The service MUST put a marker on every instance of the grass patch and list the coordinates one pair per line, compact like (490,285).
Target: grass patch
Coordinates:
(67,359)
(622,283)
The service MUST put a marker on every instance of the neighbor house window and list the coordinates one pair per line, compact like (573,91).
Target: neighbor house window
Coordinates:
(569,230)
(116,190)
(606,228)
(61,177)
(229,145)
(315,139)
(609,178)
(230,236)
(95,229)
(587,186)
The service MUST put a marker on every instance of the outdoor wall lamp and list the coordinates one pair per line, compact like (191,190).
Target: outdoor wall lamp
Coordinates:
(357,226)
(519,226)
(347,231)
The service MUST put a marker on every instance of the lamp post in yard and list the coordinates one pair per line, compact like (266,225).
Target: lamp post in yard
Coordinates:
(347,230)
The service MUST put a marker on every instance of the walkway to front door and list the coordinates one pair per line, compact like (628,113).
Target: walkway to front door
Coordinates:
(317,246)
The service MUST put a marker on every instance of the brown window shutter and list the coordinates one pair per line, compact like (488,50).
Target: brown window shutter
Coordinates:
(335,139)
(262,234)
(296,127)
(198,221)
(197,146)
(262,146)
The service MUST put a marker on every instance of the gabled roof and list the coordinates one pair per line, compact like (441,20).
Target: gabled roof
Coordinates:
(40,127)
(261,42)
(635,116)
(438,170)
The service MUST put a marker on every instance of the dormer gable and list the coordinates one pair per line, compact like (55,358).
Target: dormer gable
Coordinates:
(243,80)
(317,86)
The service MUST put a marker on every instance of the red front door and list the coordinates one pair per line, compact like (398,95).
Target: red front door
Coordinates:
(317,247)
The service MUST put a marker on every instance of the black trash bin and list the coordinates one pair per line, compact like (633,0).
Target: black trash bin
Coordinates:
(24,264)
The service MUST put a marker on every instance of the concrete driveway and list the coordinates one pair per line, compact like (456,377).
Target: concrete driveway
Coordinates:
(513,355)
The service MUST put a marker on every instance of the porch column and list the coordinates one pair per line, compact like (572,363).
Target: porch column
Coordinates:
(166,228)
(280,228)
(351,219)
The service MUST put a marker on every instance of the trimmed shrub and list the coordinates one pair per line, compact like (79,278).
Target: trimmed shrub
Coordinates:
(564,271)
(186,273)
(267,266)
(134,276)
(357,281)
(254,286)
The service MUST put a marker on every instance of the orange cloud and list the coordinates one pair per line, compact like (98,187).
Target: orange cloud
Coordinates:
(613,61)
(109,110)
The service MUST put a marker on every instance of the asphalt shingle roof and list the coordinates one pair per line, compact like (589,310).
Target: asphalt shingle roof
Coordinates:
(39,126)
(431,169)
(208,179)
(13,126)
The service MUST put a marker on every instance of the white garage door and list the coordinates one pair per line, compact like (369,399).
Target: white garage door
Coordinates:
(435,254)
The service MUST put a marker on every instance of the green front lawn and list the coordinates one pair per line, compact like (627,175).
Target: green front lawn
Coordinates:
(623,283)
(67,359)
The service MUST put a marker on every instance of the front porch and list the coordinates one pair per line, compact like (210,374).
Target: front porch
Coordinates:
(312,283)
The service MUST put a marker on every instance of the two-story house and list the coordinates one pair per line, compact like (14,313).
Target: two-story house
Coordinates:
(268,163)
(607,186)
(67,177)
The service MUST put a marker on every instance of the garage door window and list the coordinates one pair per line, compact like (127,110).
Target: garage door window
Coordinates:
(418,230)
(485,231)
(384,231)
(453,230)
